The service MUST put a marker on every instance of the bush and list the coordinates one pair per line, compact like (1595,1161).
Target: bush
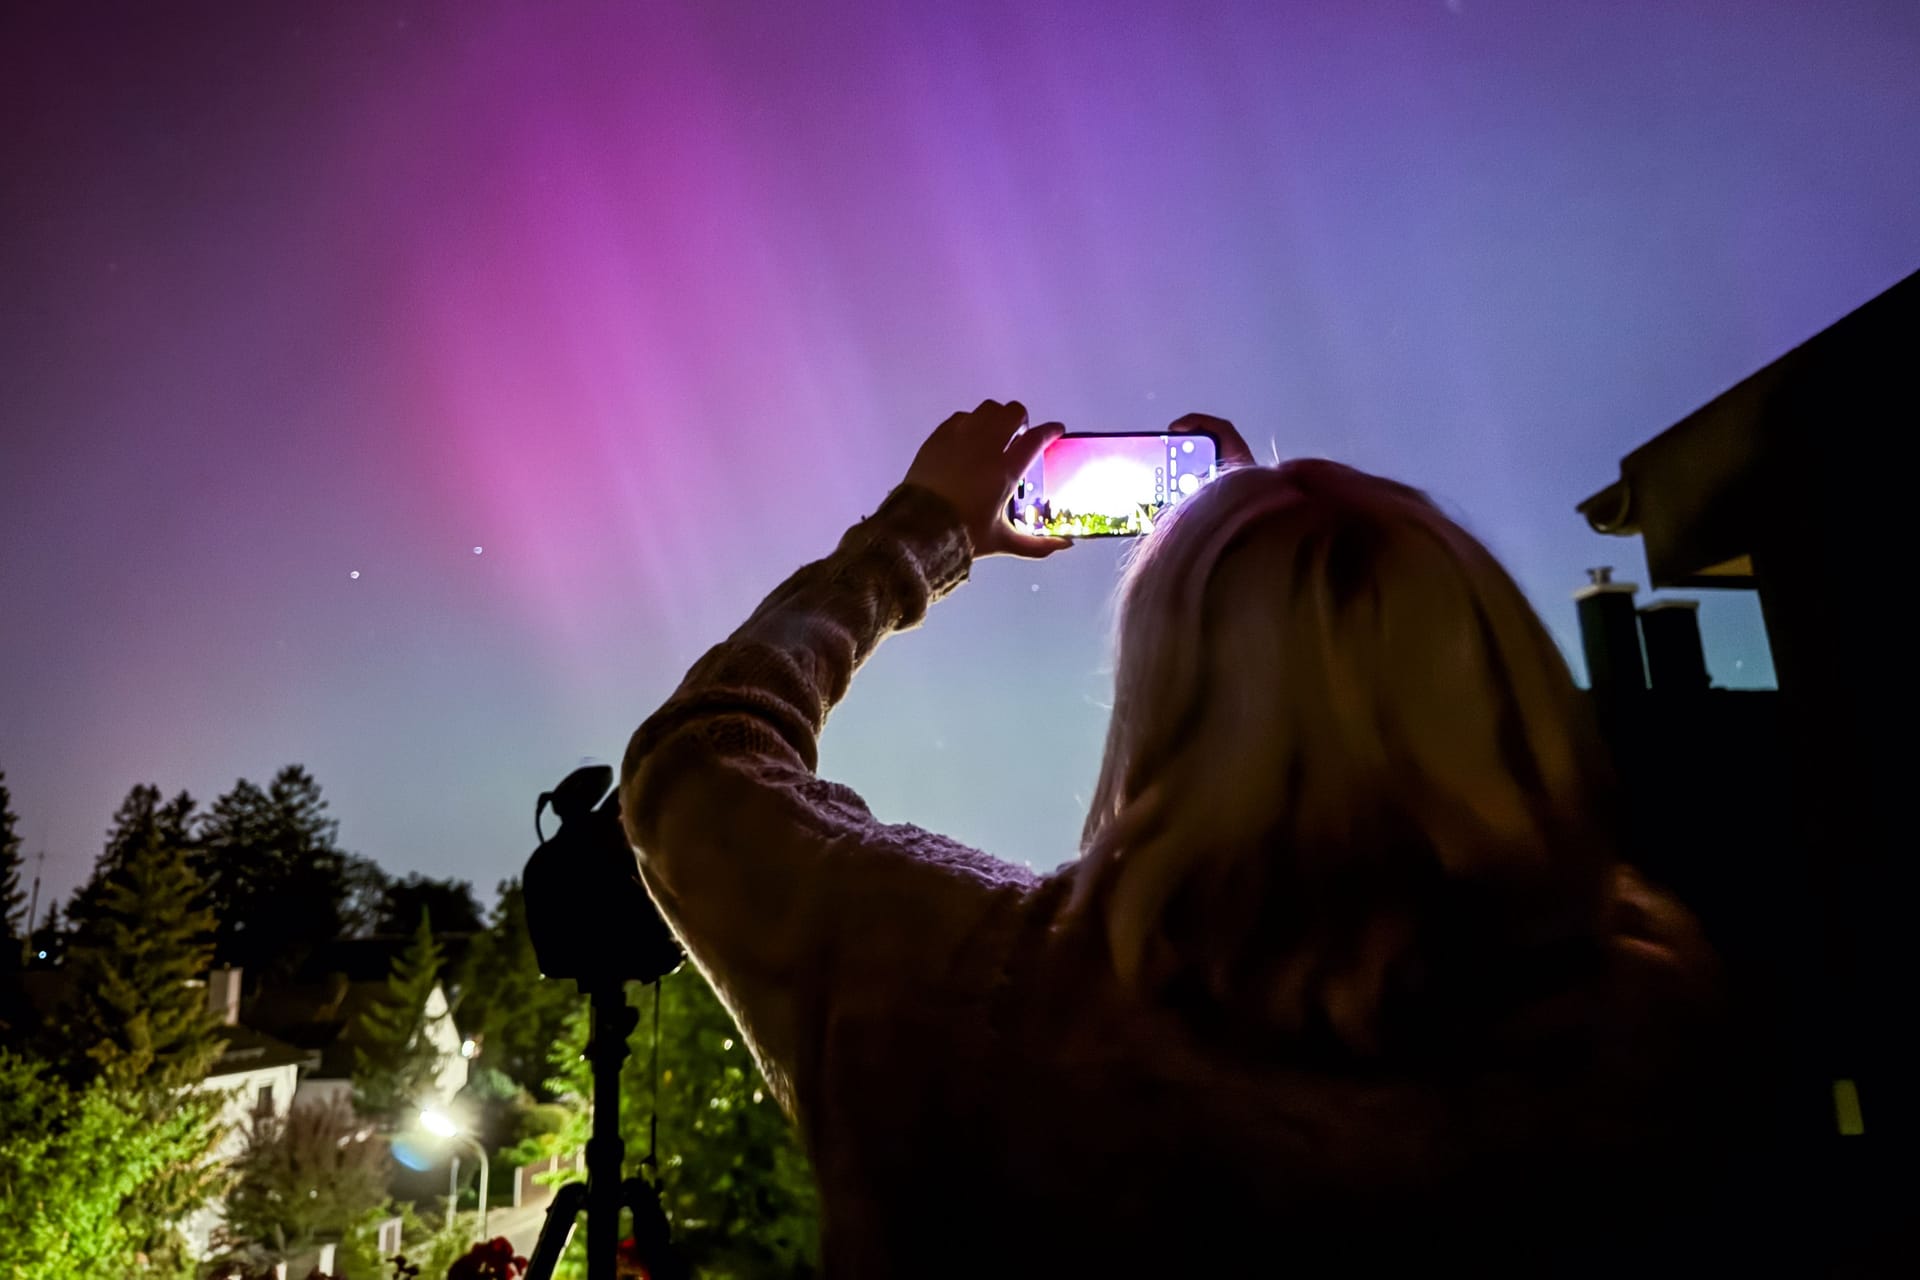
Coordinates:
(79,1169)
(306,1177)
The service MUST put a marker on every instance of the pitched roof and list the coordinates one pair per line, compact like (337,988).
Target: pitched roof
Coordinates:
(248,1048)
(251,1050)
(321,1017)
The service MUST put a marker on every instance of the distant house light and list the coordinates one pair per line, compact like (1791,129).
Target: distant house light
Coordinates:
(468,1048)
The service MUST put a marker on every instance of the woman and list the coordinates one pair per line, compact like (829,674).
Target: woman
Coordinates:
(1348,972)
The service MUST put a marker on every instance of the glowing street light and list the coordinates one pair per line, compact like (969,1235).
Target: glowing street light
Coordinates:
(442,1125)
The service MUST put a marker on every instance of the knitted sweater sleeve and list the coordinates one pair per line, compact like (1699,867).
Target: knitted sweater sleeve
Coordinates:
(795,902)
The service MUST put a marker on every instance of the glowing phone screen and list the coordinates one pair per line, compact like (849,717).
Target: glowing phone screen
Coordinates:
(1113,486)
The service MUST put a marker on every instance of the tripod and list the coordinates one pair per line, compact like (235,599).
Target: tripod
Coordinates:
(591,920)
(605,1192)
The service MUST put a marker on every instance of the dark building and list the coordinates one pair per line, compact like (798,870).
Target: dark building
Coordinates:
(1775,814)
(320,1006)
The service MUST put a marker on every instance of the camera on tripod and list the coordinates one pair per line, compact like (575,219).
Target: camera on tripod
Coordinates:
(590,917)
(592,920)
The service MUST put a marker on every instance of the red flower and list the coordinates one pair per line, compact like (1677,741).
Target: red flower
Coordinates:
(628,1263)
(493,1260)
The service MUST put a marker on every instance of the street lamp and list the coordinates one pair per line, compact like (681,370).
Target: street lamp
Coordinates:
(440,1124)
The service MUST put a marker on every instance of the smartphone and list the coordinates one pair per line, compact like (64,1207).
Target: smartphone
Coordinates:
(1111,486)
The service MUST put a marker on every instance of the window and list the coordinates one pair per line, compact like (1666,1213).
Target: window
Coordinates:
(263,1103)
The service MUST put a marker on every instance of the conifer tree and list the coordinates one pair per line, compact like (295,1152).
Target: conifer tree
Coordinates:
(139,1009)
(18,1020)
(395,1063)
(13,922)
(142,818)
(137,1024)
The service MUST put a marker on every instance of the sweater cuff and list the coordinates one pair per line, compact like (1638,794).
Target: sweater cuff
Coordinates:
(931,529)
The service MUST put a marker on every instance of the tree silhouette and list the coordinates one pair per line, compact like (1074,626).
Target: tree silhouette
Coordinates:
(17,1017)
(48,946)
(278,883)
(142,818)
(451,901)
(13,924)
(366,883)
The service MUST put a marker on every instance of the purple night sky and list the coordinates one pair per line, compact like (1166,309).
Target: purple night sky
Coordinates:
(651,301)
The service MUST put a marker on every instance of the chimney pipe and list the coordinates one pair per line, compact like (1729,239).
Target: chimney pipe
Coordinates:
(1610,634)
(223,995)
(1675,657)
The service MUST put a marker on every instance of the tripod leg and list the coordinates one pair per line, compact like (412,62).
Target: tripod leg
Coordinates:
(568,1201)
(650,1234)
(613,1022)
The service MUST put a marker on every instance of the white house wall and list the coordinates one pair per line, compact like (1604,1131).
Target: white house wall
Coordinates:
(236,1118)
(446,1039)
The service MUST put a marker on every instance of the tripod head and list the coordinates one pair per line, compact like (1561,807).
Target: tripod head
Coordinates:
(590,917)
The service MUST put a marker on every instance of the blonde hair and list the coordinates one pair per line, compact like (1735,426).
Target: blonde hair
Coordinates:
(1339,733)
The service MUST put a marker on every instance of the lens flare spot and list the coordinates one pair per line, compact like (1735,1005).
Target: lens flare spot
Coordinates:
(411,1154)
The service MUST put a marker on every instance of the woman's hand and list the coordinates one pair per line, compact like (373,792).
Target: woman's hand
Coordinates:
(973,461)
(1233,450)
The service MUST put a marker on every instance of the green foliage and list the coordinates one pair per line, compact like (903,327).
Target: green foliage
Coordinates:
(394,1061)
(279,884)
(735,1184)
(539,1130)
(429,1243)
(425,1242)
(516,1015)
(85,1174)
(358,1255)
(138,1012)
(1081,524)
(308,1177)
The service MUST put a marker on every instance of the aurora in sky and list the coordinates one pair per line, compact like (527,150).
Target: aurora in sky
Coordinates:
(571,329)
